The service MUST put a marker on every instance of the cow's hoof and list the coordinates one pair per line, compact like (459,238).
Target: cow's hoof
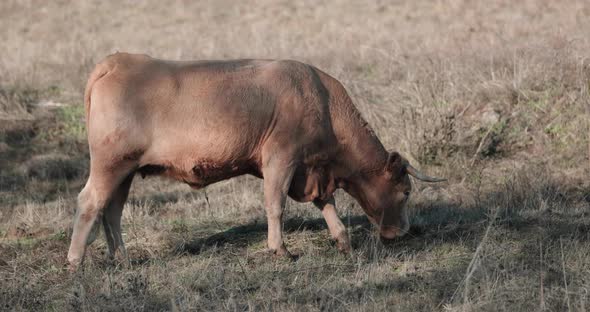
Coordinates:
(73,267)
(343,246)
(119,260)
(343,243)
(116,263)
(73,264)
(282,253)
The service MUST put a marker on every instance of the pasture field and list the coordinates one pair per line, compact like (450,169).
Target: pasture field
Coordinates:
(493,95)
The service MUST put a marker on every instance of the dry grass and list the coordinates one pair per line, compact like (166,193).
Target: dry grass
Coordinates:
(493,95)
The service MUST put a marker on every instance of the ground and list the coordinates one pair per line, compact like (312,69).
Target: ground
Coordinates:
(492,95)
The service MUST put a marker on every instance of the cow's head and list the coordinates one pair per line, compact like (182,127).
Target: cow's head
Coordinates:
(384,195)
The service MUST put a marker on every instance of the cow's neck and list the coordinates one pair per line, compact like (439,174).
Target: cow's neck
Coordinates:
(361,150)
(361,157)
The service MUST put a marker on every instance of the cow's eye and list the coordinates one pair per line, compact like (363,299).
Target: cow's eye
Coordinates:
(407,193)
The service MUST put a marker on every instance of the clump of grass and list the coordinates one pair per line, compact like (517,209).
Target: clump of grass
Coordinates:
(54,167)
(17,103)
(72,122)
(64,127)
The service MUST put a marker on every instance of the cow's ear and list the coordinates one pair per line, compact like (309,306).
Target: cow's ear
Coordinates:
(395,165)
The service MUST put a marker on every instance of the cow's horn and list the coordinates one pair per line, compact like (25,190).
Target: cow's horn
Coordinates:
(421,176)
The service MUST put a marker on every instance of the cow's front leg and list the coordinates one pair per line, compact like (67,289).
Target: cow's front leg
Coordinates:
(277,179)
(337,229)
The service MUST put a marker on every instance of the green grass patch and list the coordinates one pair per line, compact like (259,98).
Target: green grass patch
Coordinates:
(72,122)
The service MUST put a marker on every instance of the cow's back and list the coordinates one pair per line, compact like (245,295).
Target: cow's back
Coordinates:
(205,116)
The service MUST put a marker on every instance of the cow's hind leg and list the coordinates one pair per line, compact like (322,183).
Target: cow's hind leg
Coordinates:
(111,220)
(94,198)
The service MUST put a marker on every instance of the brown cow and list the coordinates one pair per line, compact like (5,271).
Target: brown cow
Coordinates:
(206,121)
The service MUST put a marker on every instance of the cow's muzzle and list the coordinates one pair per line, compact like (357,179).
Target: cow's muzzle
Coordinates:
(391,232)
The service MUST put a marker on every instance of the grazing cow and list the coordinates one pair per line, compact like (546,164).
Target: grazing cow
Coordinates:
(206,121)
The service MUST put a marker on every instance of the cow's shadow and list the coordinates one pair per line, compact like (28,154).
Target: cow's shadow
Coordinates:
(255,232)
(447,226)
(435,223)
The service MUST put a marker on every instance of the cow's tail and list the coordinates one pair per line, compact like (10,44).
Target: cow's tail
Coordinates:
(99,71)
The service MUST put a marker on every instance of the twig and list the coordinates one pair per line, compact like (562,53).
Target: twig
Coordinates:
(542,288)
(245,275)
(567,297)
(474,157)
(464,110)
(325,266)
(219,227)
(344,304)
(480,145)
(472,265)
(246,278)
